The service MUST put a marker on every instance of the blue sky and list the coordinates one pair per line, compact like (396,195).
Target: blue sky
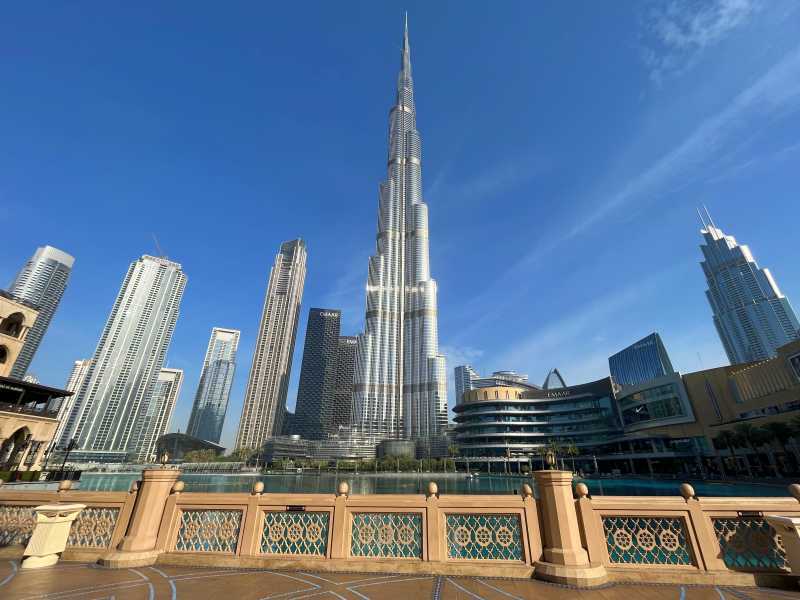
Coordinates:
(565,148)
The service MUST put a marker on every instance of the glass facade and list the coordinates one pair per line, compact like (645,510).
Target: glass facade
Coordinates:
(214,389)
(501,420)
(662,401)
(643,361)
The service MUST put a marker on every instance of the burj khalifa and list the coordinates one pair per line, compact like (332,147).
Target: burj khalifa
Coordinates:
(400,385)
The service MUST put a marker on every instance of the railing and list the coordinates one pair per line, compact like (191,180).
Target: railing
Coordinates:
(684,533)
(23,410)
(402,528)
(681,538)
(98,528)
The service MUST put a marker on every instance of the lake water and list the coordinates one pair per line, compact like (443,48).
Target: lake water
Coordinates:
(413,483)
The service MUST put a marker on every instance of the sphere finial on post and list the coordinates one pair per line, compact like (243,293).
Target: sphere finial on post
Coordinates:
(64,485)
(527,491)
(343,489)
(794,490)
(687,491)
(582,490)
(178,487)
(258,488)
(433,489)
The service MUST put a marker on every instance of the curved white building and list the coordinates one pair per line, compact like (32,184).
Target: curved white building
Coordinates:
(400,379)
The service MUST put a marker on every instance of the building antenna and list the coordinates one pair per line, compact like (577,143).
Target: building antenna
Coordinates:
(699,214)
(710,220)
(158,247)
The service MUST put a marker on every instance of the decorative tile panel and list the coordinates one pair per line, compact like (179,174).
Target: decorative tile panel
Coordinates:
(209,531)
(16,524)
(750,544)
(647,540)
(484,537)
(301,533)
(93,527)
(386,535)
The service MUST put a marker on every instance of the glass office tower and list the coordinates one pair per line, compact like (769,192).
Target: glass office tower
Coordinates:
(41,282)
(214,389)
(642,361)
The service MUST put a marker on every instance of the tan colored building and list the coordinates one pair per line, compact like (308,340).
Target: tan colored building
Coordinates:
(16,320)
(27,423)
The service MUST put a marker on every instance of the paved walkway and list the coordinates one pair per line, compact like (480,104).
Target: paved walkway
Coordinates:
(73,581)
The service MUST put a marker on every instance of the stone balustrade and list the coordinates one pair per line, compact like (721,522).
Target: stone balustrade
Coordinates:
(581,540)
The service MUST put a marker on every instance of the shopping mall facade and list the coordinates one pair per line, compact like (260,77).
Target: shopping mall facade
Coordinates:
(666,425)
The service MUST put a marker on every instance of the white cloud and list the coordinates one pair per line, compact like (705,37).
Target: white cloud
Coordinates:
(679,31)
(563,338)
(777,91)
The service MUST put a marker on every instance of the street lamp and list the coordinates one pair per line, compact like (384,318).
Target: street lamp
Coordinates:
(69,448)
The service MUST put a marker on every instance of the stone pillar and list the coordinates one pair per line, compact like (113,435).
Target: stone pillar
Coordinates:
(138,547)
(49,539)
(565,559)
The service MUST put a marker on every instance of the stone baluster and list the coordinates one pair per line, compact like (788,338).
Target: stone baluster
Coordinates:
(565,559)
(138,547)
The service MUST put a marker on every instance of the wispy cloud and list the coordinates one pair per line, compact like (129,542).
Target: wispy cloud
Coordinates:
(775,92)
(547,344)
(347,294)
(679,31)
(496,179)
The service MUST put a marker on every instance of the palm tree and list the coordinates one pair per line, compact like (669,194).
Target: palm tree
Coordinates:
(762,438)
(749,435)
(780,432)
(728,439)
(572,451)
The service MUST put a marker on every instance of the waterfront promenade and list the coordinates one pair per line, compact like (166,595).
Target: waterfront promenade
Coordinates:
(79,581)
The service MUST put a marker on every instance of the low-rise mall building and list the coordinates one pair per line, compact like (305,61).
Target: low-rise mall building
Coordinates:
(671,424)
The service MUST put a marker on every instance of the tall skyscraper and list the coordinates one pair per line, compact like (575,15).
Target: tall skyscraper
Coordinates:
(158,413)
(41,282)
(464,376)
(214,389)
(80,368)
(751,315)
(340,413)
(317,385)
(116,392)
(265,397)
(642,361)
(400,379)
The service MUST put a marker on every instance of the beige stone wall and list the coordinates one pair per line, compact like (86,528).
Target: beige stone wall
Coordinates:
(15,321)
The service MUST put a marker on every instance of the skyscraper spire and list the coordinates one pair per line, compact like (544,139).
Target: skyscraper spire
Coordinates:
(400,381)
(405,64)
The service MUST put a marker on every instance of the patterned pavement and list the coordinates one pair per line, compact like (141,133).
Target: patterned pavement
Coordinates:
(74,581)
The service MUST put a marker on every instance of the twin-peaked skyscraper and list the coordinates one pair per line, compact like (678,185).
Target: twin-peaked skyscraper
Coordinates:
(400,379)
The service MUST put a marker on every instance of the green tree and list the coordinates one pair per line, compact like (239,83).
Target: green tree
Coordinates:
(781,432)
(730,440)
(748,434)
(572,451)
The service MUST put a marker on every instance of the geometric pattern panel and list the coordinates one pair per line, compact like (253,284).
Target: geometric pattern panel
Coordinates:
(749,544)
(209,531)
(16,524)
(484,537)
(386,535)
(303,533)
(93,527)
(647,540)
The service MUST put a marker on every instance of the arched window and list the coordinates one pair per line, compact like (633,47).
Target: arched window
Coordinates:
(485,396)
(12,324)
(3,355)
